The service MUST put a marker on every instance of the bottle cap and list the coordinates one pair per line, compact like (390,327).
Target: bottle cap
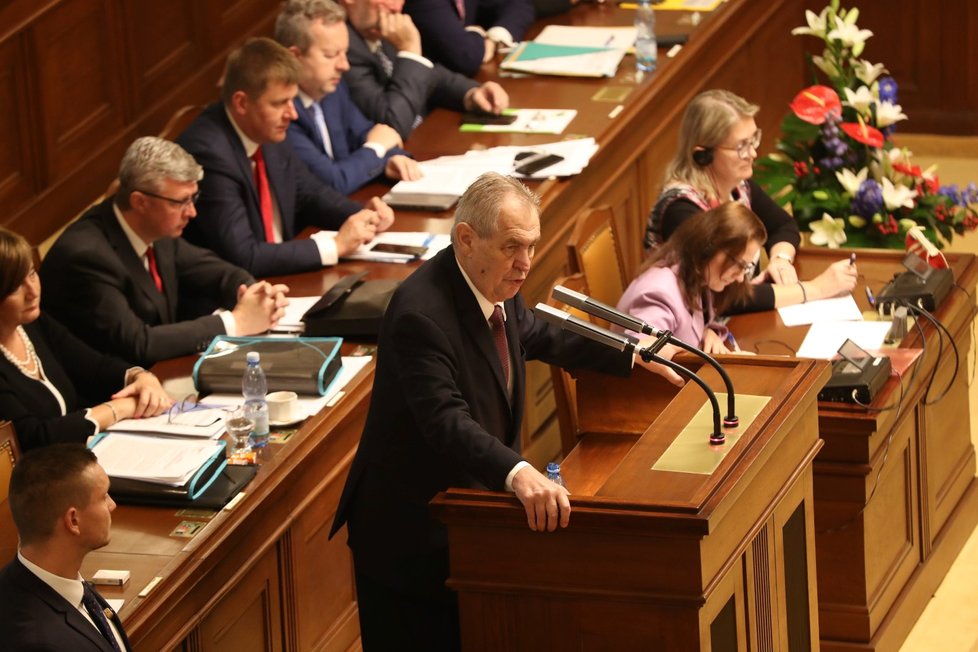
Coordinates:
(553,467)
(253,357)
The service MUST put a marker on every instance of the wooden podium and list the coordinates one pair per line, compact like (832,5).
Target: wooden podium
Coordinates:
(653,558)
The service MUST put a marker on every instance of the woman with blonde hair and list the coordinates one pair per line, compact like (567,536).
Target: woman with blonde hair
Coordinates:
(46,372)
(713,164)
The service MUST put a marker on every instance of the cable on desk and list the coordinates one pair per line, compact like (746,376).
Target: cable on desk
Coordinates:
(942,331)
(758,343)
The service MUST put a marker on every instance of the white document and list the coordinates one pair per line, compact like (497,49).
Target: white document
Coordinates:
(205,421)
(620,38)
(530,121)
(826,337)
(837,309)
(155,459)
(291,322)
(434,242)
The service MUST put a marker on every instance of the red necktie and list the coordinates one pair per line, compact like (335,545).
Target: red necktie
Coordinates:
(264,194)
(499,335)
(460,7)
(153,271)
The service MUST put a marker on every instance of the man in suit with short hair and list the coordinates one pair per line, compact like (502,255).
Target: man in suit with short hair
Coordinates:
(331,135)
(257,195)
(123,280)
(59,499)
(393,83)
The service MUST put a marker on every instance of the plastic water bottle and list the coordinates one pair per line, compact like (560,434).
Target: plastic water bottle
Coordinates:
(646,49)
(254,387)
(553,474)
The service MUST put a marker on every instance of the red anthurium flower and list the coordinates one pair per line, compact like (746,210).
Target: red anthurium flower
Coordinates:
(909,170)
(815,103)
(863,133)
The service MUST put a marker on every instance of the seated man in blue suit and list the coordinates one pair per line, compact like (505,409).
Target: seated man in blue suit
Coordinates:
(257,195)
(393,83)
(332,136)
(59,499)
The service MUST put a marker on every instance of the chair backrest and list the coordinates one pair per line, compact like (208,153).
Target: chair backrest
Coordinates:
(9,452)
(594,250)
(564,385)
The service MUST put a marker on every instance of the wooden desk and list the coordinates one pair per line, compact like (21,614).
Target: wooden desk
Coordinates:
(895,494)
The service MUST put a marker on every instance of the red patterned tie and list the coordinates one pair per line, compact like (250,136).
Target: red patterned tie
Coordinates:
(264,194)
(499,335)
(154,272)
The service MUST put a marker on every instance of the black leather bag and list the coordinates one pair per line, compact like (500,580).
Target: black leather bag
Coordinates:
(351,308)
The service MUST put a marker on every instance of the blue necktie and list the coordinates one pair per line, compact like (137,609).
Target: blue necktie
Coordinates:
(94,609)
(320,120)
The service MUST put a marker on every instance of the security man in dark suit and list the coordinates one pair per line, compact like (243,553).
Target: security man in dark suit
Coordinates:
(59,499)
(122,279)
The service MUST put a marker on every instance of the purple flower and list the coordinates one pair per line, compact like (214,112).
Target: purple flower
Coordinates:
(835,147)
(888,90)
(868,200)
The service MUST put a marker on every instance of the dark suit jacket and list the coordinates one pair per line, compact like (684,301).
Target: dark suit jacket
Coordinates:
(352,165)
(95,284)
(34,618)
(412,90)
(443,35)
(82,375)
(439,414)
(229,216)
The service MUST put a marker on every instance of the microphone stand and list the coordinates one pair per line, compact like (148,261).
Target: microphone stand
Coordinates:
(629,322)
(628,343)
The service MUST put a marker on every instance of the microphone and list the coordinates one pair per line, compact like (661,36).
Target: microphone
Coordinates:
(624,343)
(632,323)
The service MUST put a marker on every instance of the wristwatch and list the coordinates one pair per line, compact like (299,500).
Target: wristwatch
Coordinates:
(784,256)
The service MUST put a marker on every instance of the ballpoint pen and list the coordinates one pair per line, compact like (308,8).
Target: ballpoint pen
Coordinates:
(733,342)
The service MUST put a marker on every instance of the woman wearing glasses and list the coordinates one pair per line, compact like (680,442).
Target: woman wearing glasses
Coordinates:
(713,164)
(701,270)
(47,374)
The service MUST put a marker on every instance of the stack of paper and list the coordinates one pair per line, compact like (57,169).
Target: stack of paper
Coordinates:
(161,460)
(204,421)
(572,51)
(433,242)
(528,121)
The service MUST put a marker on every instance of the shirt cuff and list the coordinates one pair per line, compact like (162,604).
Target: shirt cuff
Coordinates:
(376,148)
(230,323)
(415,57)
(478,30)
(326,242)
(500,35)
(516,469)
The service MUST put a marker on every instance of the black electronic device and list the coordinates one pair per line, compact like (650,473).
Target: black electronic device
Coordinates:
(857,377)
(921,286)
(485,118)
(529,163)
(403,249)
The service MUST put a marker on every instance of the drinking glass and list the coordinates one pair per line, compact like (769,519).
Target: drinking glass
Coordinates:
(239,423)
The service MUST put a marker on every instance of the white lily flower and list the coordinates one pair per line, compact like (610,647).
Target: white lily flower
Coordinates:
(860,99)
(826,66)
(816,24)
(868,72)
(899,155)
(888,113)
(850,181)
(931,172)
(849,35)
(897,195)
(828,232)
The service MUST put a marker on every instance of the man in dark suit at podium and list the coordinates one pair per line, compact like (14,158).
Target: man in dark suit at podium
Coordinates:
(393,83)
(59,499)
(256,195)
(124,281)
(446,411)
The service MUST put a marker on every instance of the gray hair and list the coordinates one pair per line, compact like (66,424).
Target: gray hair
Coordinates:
(706,123)
(150,160)
(292,25)
(479,205)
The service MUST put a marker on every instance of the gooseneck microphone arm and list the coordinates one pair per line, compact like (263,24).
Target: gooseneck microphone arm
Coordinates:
(628,343)
(629,322)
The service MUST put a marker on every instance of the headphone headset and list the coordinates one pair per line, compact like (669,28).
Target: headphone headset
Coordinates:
(703,156)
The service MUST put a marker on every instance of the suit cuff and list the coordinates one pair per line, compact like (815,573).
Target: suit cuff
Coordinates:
(230,323)
(376,148)
(404,54)
(500,35)
(516,469)
(326,243)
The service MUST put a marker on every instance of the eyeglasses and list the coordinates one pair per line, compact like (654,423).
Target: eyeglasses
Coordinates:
(744,147)
(190,412)
(746,268)
(182,203)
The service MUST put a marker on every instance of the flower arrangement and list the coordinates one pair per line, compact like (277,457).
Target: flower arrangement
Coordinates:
(836,166)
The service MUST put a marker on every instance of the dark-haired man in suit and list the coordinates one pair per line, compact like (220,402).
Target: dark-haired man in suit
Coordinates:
(122,279)
(446,410)
(257,195)
(393,83)
(59,499)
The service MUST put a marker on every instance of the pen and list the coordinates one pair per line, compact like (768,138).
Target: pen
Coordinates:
(610,40)
(733,342)
(429,239)
(852,258)
(870,297)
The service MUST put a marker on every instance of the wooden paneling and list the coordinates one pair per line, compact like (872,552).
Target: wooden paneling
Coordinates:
(17,173)
(230,22)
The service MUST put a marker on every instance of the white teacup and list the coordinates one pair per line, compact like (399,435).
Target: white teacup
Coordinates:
(283,407)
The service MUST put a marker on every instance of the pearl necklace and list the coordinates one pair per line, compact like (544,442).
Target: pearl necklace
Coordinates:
(29,367)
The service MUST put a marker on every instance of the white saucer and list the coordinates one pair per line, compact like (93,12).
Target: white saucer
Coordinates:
(282,424)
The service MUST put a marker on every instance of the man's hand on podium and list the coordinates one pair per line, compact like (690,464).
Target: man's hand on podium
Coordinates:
(545,502)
